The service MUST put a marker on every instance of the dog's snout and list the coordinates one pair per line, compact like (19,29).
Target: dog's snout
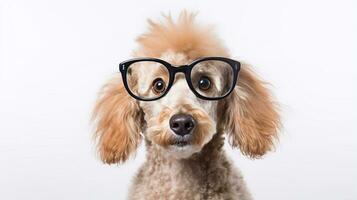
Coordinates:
(182,124)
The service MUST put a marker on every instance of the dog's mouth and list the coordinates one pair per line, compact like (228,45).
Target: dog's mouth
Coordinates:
(181,143)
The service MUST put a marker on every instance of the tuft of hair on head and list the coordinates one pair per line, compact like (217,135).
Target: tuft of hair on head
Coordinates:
(181,36)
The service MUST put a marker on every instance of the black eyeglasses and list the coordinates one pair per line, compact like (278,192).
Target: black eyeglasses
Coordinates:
(209,78)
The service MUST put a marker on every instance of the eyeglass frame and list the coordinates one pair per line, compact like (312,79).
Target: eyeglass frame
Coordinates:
(186,69)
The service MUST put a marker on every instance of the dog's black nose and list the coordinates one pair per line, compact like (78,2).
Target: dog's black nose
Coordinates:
(182,124)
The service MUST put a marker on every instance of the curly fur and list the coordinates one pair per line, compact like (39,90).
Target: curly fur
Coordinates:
(248,117)
(118,126)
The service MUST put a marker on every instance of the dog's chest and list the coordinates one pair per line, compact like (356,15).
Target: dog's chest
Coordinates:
(182,181)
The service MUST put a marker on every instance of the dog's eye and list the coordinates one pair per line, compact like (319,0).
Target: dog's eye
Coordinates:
(158,86)
(204,83)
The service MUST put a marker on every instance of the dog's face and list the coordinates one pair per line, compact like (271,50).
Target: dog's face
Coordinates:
(180,123)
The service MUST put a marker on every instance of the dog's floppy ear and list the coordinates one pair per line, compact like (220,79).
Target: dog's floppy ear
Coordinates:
(118,123)
(251,119)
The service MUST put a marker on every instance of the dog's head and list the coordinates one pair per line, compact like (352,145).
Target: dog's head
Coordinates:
(180,123)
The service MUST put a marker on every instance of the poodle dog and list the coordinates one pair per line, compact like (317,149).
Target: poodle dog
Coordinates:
(182,95)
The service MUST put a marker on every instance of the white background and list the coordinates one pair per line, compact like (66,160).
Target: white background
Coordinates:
(55,55)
